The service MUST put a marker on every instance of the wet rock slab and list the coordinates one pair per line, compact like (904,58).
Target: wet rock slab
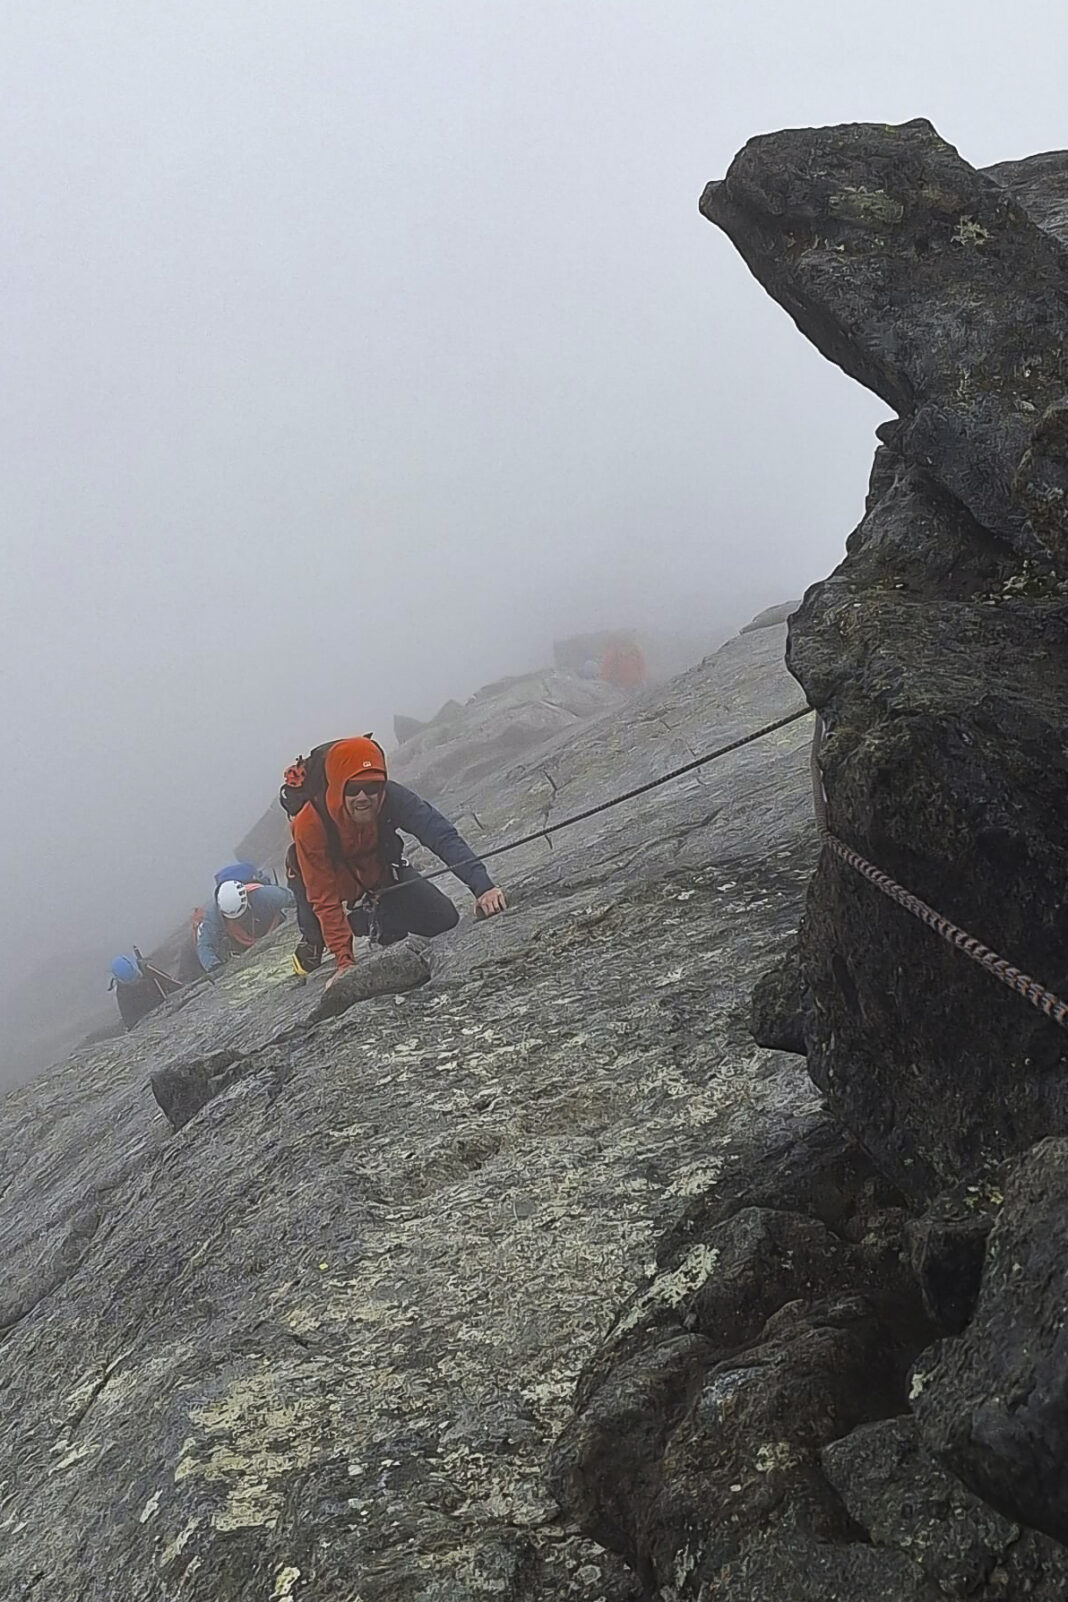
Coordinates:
(318,1342)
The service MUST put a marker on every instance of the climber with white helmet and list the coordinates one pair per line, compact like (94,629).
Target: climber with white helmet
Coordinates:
(239,914)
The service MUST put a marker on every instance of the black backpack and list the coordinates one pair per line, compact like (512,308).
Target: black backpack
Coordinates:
(304,784)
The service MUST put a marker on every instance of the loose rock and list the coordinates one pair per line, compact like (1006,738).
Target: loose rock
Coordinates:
(402,967)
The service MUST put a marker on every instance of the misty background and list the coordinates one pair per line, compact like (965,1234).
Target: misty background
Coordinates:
(354,350)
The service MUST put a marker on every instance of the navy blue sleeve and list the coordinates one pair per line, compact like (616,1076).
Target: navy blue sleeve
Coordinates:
(416,816)
(208,940)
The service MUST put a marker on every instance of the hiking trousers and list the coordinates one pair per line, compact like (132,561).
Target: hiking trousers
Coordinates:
(412,906)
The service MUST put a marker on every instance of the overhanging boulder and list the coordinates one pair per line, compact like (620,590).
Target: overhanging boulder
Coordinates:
(929,283)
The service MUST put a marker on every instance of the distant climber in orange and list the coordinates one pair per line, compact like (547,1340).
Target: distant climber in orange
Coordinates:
(623,663)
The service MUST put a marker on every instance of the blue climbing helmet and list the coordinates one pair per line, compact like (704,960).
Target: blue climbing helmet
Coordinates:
(125,971)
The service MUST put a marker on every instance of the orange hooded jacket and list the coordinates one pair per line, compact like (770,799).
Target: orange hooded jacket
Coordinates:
(328,883)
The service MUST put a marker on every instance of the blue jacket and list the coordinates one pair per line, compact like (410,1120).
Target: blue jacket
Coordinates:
(216,944)
(403,809)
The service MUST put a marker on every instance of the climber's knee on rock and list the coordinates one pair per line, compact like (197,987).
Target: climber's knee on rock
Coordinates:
(429,912)
(450,917)
(415,907)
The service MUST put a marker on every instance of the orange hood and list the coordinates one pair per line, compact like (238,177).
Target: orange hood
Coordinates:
(359,758)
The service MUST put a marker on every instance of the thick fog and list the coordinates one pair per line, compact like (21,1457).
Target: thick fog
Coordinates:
(352,351)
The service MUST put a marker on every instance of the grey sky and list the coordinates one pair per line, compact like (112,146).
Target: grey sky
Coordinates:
(353,350)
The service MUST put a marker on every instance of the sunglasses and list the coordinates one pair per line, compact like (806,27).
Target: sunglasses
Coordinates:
(371,787)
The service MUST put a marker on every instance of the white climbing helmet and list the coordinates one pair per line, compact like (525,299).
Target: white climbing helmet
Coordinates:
(232,898)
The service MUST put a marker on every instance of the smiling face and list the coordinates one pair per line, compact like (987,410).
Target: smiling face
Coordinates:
(355,780)
(363,799)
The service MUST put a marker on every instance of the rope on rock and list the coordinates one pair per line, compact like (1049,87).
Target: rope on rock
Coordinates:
(1045,1001)
(628,795)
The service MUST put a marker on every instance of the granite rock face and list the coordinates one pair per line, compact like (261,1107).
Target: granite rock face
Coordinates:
(1040,184)
(404,728)
(513,1268)
(780,1316)
(402,967)
(940,669)
(777,1015)
(936,652)
(744,1430)
(957,1545)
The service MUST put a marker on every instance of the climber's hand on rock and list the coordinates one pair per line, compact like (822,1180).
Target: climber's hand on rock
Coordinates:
(336,975)
(490,902)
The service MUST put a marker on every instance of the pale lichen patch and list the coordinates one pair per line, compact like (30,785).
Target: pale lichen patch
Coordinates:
(174,1548)
(151,1508)
(773,1455)
(75,1454)
(671,1289)
(970,232)
(252,1437)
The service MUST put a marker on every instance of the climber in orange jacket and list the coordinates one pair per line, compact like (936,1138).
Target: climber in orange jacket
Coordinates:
(346,866)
